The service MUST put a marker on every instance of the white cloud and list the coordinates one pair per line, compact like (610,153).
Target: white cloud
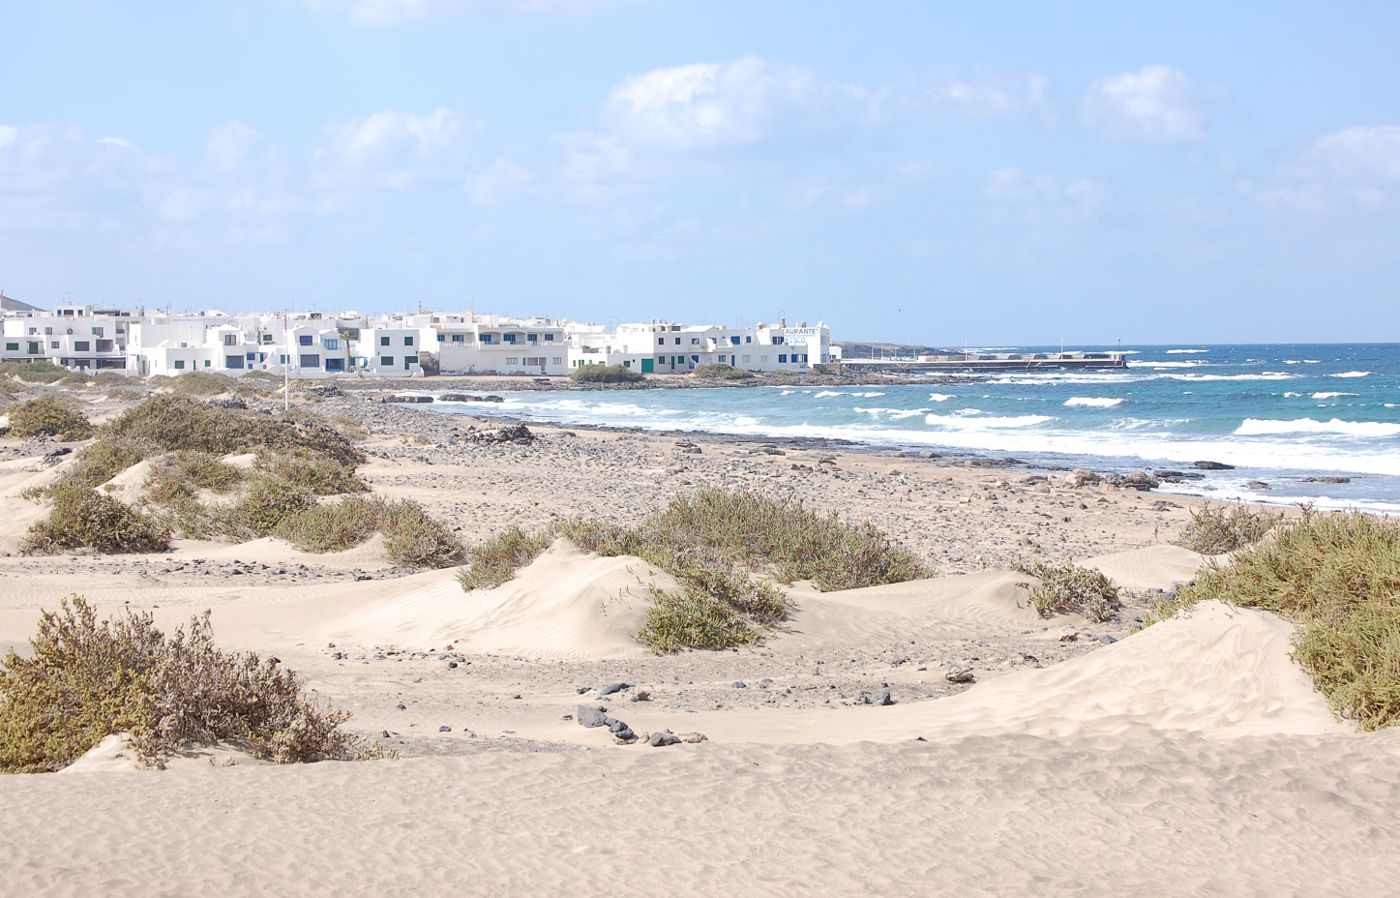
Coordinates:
(1356,166)
(1153,104)
(120,143)
(389,148)
(730,104)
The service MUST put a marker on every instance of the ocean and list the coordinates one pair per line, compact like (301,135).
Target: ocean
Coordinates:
(1278,414)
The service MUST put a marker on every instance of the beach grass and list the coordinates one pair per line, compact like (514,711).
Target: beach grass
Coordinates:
(1337,575)
(89,678)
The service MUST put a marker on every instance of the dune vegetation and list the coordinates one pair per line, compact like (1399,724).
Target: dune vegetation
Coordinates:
(725,548)
(1071,589)
(606,374)
(90,678)
(48,416)
(1216,529)
(190,492)
(1338,577)
(719,371)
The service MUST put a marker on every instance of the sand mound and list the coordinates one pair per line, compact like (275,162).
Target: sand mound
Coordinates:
(566,604)
(1151,567)
(1217,672)
(130,485)
(271,550)
(114,753)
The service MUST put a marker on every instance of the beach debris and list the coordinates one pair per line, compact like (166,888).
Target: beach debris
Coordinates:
(641,695)
(1106,639)
(739,684)
(444,729)
(591,716)
(959,673)
(665,737)
(1080,477)
(613,688)
(880,697)
(1069,634)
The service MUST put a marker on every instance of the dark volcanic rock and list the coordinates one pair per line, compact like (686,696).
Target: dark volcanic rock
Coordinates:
(1213,466)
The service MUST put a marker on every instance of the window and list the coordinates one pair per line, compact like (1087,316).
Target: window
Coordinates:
(105,345)
(513,361)
(230,339)
(82,345)
(383,341)
(782,359)
(53,344)
(233,361)
(746,360)
(387,361)
(748,339)
(267,338)
(778,340)
(48,332)
(678,341)
(304,340)
(532,338)
(442,338)
(33,332)
(557,360)
(12,347)
(206,363)
(510,338)
(694,341)
(660,341)
(534,361)
(459,338)
(734,341)
(179,364)
(549,338)
(252,356)
(97,331)
(35,347)
(330,343)
(309,360)
(408,341)
(488,339)
(335,364)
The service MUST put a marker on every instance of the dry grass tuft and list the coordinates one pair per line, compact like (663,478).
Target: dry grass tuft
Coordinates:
(606,374)
(84,518)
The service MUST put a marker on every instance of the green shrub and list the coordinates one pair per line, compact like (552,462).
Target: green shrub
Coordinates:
(722,372)
(1337,576)
(712,542)
(1070,589)
(178,422)
(202,383)
(264,503)
(104,459)
(313,471)
(43,372)
(125,394)
(333,527)
(181,475)
(89,679)
(1216,529)
(498,559)
(606,374)
(84,518)
(77,378)
(414,539)
(48,416)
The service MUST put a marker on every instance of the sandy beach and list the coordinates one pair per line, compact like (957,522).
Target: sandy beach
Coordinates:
(1075,758)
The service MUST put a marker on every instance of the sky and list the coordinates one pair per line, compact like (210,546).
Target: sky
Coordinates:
(998,173)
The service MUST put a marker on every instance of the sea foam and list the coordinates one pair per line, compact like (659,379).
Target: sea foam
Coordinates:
(1093,402)
(1264,427)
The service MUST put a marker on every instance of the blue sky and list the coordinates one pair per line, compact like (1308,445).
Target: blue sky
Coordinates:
(1008,173)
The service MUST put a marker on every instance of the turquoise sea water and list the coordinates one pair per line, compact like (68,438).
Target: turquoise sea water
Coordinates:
(1277,413)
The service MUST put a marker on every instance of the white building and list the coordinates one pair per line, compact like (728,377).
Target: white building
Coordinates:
(73,336)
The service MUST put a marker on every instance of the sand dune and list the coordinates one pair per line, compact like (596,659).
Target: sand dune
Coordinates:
(1151,567)
(567,603)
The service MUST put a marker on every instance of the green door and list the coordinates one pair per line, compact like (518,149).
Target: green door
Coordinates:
(648,366)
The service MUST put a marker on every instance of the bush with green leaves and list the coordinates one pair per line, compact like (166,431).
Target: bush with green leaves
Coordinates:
(40,372)
(89,678)
(1338,577)
(411,537)
(713,543)
(48,416)
(1216,529)
(85,518)
(261,507)
(180,476)
(1071,589)
(202,383)
(721,372)
(313,471)
(606,374)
